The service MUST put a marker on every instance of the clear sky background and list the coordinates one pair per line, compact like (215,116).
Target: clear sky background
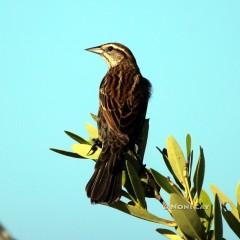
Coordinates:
(48,83)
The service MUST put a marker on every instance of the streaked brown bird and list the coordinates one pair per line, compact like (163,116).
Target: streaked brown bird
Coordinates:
(124,95)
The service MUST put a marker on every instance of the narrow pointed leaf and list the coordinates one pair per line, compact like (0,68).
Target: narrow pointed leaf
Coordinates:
(205,200)
(76,137)
(189,146)
(164,155)
(136,184)
(164,182)
(176,158)
(92,131)
(186,217)
(199,173)
(165,158)
(225,200)
(169,234)
(84,149)
(66,153)
(180,233)
(189,157)
(238,193)
(142,141)
(124,176)
(94,117)
(139,212)
(218,228)
(238,199)
(190,165)
(232,221)
(206,211)
(126,183)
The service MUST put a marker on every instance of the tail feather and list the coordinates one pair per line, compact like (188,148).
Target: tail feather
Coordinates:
(106,181)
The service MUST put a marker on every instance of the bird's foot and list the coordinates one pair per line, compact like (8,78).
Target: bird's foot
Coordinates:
(96,144)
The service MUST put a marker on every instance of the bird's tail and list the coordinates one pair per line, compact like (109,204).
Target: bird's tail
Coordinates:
(106,181)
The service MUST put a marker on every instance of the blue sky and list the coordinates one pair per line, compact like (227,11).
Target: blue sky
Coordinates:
(188,49)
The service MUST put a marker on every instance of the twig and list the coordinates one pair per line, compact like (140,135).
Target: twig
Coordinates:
(164,204)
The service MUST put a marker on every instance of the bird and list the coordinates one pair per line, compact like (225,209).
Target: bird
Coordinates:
(123,99)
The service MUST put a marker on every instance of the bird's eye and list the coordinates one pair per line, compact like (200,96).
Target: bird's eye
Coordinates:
(109,49)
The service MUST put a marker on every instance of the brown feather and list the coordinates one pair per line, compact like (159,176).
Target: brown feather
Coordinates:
(123,97)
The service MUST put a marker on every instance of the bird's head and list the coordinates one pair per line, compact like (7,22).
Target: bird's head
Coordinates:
(113,53)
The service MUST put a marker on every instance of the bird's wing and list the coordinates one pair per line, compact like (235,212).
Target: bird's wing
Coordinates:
(121,114)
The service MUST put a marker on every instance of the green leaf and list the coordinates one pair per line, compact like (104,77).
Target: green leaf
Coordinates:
(232,221)
(189,146)
(199,173)
(76,137)
(164,182)
(225,200)
(165,158)
(205,200)
(136,184)
(124,177)
(238,208)
(169,234)
(176,159)
(190,165)
(186,217)
(218,231)
(180,233)
(126,183)
(92,131)
(238,199)
(94,117)
(189,157)
(66,153)
(206,210)
(84,149)
(139,212)
(142,141)
(238,193)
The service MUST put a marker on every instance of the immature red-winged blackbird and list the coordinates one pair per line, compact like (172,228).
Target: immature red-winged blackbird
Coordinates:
(124,95)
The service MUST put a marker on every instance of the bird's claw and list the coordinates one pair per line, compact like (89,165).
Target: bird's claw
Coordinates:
(96,143)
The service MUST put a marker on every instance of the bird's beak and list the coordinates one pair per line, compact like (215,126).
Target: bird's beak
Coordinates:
(97,50)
